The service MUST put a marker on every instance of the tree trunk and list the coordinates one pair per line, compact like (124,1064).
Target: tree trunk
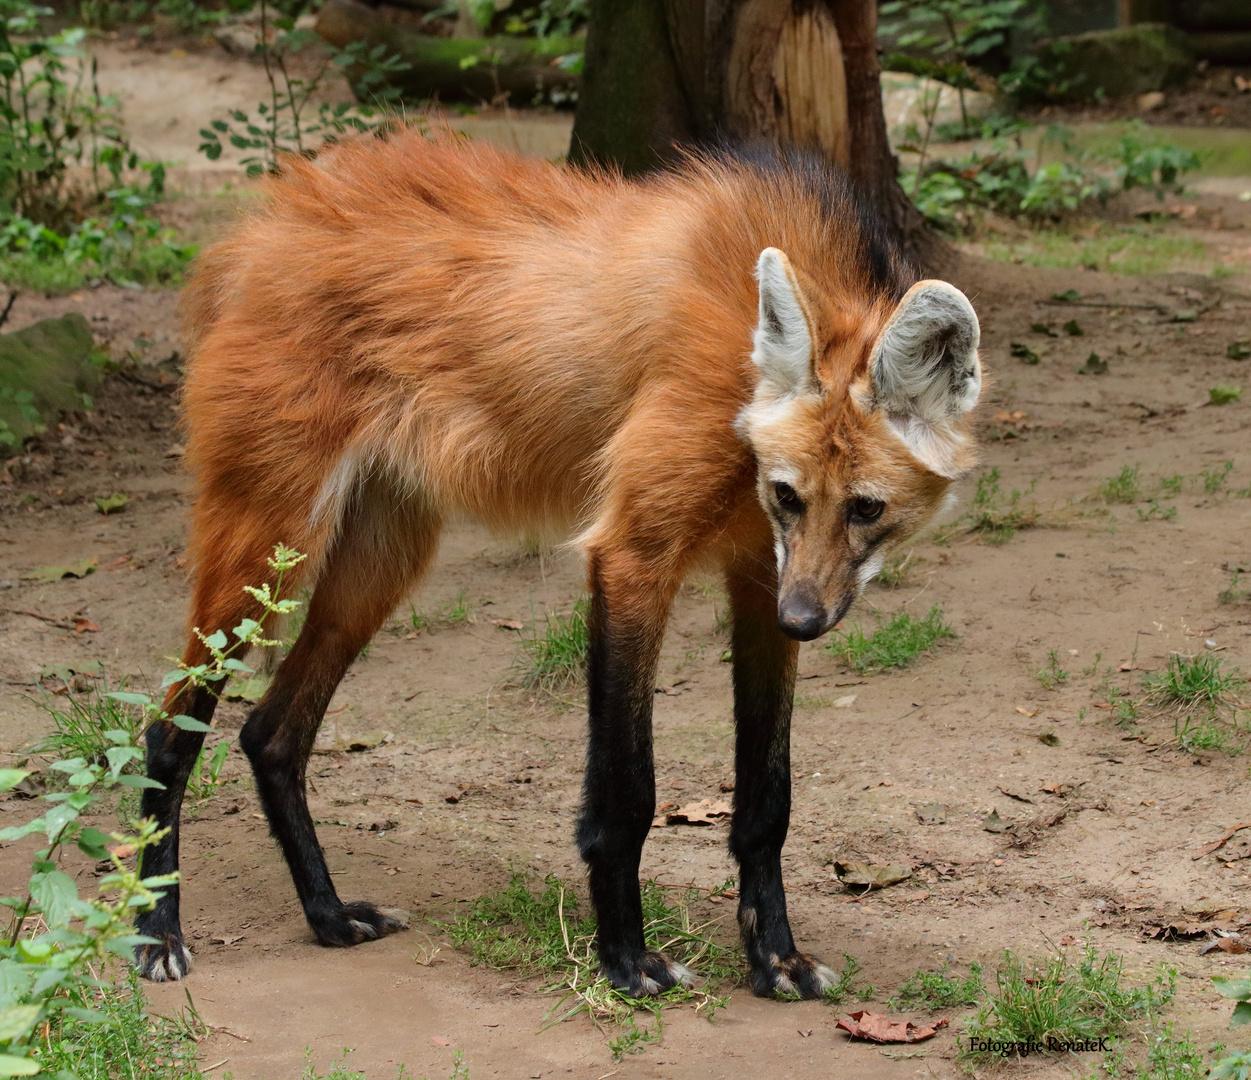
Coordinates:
(660,73)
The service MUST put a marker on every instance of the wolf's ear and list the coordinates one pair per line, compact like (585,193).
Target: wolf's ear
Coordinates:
(783,339)
(925,367)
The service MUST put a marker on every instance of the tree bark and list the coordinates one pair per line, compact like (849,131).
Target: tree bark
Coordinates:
(659,73)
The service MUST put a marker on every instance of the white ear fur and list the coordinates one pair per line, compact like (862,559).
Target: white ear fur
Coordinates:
(925,366)
(783,342)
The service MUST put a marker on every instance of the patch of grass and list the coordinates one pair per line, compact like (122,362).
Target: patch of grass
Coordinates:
(1137,249)
(82,723)
(452,614)
(938,990)
(1172,485)
(895,644)
(1232,594)
(541,933)
(1121,488)
(1171,1056)
(1052,677)
(558,658)
(996,516)
(1214,478)
(1062,1001)
(1224,393)
(1203,736)
(1156,512)
(845,986)
(339,1069)
(206,773)
(125,1043)
(1191,681)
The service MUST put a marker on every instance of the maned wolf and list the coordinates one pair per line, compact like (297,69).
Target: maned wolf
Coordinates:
(727,364)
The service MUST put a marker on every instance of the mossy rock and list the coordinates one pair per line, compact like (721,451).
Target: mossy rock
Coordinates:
(46,371)
(1118,63)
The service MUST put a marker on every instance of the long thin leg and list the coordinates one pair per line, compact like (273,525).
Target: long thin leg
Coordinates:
(384,545)
(764,684)
(171,757)
(626,625)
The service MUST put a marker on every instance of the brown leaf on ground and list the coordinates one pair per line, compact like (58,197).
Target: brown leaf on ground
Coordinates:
(931,813)
(704,812)
(992,822)
(882,1029)
(84,626)
(1026,712)
(225,939)
(1207,849)
(506,624)
(368,740)
(1014,795)
(1057,789)
(861,877)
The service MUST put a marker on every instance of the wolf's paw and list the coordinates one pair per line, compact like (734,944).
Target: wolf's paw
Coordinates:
(645,974)
(350,924)
(795,975)
(166,961)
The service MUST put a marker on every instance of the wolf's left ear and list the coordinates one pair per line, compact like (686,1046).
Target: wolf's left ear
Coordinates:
(783,340)
(925,367)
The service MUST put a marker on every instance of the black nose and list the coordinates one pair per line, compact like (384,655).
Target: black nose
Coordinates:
(801,617)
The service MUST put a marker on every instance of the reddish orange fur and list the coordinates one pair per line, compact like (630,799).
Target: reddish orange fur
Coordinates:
(531,345)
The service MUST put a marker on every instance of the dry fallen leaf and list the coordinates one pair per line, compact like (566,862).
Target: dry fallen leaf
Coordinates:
(932,813)
(438,1040)
(882,1029)
(507,624)
(704,812)
(845,702)
(225,939)
(82,626)
(992,822)
(1026,712)
(861,877)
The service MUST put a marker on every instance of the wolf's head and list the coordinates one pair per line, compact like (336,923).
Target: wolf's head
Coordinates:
(859,424)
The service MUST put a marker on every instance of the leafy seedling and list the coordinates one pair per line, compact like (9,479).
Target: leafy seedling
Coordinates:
(1023,353)
(1069,296)
(113,504)
(1074,329)
(1044,328)
(1122,488)
(1185,315)
(1224,393)
(894,644)
(1239,350)
(1093,366)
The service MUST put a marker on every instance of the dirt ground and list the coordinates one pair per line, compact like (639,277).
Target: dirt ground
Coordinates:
(482,777)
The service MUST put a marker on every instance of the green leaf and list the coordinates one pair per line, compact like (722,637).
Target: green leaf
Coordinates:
(118,737)
(113,504)
(128,698)
(189,723)
(121,756)
(1242,1014)
(10,778)
(57,818)
(91,842)
(16,832)
(130,780)
(17,1020)
(216,640)
(17,1066)
(57,896)
(1239,989)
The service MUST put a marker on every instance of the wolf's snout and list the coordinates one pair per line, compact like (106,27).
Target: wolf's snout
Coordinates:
(801,615)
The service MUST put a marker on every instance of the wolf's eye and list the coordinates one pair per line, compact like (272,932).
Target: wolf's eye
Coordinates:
(788,499)
(865,509)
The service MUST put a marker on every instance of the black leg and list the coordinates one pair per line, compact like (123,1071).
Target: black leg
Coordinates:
(764,684)
(278,739)
(619,793)
(171,757)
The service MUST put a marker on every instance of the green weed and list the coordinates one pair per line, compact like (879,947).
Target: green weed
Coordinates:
(845,986)
(938,990)
(1135,249)
(996,516)
(206,773)
(1190,681)
(895,644)
(1214,478)
(558,658)
(1052,677)
(80,723)
(1063,1001)
(1156,512)
(1172,485)
(1122,488)
(339,1069)
(1171,1056)
(896,571)
(451,614)
(1232,594)
(542,933)
(1203,736)
(1224,393)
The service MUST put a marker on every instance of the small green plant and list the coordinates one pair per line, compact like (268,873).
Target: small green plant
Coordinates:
(1232,594)
(938,990)
(894,644)
(1156,512)
(844,986)
(288,123)
(1061,1001)
(1224,393)
(206,773)
(450,614)
(542,933)
(1172,485)
(558,658)
(1121,488)
(1214,478)
(998,517)
(1190,681)
(1202,736)
(80,723)
(1052,677)
(897,570)
(1171,1056)
(1238,1065)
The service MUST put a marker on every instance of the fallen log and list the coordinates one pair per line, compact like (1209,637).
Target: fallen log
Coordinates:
(476,69)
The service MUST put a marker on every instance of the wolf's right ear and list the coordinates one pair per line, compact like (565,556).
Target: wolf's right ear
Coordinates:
(783,339)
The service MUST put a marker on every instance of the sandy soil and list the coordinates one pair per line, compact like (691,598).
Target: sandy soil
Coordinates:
(1103,588)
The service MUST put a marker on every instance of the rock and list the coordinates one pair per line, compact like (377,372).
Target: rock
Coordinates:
(237,40)
(46,371)
(1129,60)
